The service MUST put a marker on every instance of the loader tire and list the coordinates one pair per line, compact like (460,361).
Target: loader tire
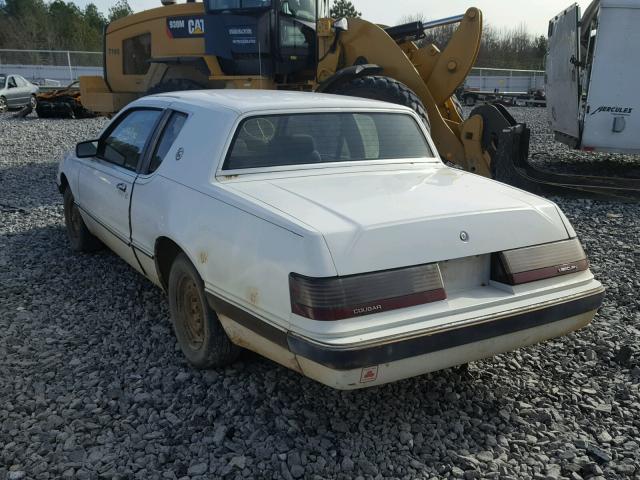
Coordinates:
(386,89)
(174,85)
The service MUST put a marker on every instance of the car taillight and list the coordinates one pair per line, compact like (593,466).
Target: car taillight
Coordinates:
(337,298)
(529,264)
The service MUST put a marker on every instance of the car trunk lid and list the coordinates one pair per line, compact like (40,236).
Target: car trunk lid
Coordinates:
(381,219)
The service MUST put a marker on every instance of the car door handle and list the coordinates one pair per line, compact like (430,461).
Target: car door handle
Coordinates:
(122,187)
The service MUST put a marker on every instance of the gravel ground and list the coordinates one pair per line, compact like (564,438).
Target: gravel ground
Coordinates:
(92,384)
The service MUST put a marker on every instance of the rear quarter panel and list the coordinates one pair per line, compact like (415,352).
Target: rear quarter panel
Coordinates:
(242,256)
(243,250)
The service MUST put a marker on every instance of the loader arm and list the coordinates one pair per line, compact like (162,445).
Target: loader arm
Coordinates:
(432,74)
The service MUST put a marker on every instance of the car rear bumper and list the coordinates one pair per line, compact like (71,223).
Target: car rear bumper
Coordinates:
(355,366)
(380,373)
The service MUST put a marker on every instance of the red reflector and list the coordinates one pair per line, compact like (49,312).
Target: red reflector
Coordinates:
(338,298)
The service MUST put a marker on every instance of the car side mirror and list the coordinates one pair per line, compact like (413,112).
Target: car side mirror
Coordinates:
(87,149)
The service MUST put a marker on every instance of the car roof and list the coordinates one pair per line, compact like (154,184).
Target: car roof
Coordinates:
(246,101)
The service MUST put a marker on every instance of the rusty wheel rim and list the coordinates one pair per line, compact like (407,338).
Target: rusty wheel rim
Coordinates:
(191,312)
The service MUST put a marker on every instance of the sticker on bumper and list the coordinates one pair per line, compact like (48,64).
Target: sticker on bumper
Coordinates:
(369,374)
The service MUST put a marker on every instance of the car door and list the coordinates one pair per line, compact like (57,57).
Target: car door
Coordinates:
(150,190)
(24,90)
(106,181)
(13,92)
(563,74)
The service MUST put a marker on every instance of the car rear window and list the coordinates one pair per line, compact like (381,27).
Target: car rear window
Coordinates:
(308,138)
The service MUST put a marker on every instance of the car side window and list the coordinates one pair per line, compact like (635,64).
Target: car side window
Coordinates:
(12,82)
(20,81)
(168,136)
(125,143)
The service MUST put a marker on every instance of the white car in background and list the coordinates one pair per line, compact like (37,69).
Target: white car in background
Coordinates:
(17,92)
(323,232)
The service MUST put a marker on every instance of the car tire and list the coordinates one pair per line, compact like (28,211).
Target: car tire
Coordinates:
(200,335)
(386,89)
(33,102)
(80,238)
(3,105)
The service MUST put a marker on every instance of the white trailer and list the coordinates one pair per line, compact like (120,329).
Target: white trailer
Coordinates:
(593,66)
(509,86)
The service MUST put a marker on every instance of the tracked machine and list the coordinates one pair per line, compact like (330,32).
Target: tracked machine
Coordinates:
(295,45)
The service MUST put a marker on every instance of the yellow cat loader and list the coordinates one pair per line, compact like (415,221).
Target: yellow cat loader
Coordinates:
(295,45)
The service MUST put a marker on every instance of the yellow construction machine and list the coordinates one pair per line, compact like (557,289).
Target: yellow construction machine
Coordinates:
(295,45)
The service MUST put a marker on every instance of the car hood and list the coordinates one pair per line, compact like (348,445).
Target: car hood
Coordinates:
(379,220)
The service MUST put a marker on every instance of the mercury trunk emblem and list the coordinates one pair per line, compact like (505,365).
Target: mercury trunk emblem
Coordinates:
(464,236)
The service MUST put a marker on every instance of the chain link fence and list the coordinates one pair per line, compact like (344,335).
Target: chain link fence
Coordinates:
(50,67)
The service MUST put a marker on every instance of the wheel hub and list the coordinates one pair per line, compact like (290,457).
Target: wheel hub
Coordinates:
(192,313)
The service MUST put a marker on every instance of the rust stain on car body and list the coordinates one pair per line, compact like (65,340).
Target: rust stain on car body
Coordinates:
(253,295)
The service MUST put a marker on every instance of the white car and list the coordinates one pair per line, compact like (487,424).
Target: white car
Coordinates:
(323,232)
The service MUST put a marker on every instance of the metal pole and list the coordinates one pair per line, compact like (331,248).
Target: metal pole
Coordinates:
(70,69)
(442,21)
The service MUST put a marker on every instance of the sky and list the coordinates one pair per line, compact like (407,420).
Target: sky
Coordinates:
(499,13)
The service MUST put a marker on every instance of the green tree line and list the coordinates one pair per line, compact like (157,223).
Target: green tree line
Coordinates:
(55,25)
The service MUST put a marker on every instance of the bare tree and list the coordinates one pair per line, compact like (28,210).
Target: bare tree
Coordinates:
(499,48)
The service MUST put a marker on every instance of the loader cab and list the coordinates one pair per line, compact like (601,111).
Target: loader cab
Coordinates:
(272,38)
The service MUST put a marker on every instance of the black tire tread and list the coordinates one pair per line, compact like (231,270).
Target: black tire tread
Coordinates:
(219,350)
(86,241)
(377,87)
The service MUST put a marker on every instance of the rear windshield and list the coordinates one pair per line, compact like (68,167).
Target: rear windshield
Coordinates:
(309,138)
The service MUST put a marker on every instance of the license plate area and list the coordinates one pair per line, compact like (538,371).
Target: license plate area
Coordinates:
(465,273)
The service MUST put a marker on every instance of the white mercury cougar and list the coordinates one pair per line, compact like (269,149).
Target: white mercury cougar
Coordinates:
(324,233)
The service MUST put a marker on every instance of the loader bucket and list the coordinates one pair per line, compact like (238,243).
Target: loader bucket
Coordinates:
(97,97)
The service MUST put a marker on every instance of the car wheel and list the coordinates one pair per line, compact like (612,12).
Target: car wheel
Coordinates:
(197,327)
(3,105)
(33,102)
(80,238)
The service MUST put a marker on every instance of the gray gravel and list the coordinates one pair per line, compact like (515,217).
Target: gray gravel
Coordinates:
(92,384)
